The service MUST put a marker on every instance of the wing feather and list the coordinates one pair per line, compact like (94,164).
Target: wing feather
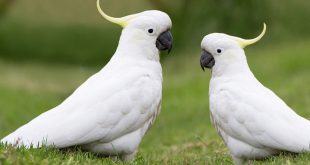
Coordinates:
(103,108)
(260,118)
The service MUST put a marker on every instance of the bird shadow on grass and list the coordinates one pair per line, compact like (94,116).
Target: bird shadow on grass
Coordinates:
(282,155)
(116,159)
(10,154)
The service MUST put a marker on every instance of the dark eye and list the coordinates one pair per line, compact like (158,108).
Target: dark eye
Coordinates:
(219,51)
(151,31)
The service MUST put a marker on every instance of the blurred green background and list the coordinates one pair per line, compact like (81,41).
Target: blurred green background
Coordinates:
(49,47)
(73,32)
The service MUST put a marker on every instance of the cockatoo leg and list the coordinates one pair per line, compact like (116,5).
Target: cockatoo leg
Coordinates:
(128,157)
(237,160)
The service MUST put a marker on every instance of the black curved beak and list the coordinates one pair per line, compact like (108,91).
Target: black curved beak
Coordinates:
(164,41)
(206,60)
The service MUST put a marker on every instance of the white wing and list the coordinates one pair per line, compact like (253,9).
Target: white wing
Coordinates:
(256,116)
(107,106)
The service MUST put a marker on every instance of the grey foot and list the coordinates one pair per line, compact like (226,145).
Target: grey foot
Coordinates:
(238,161)
(128,157)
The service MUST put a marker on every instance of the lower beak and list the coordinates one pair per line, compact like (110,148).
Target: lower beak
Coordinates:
(164,41)
(206,60)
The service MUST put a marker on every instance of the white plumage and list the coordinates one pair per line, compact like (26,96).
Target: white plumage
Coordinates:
(252,120)
(110,113)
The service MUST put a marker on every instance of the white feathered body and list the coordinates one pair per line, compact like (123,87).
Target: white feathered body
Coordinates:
(108,114)
(252,120)
(111,112)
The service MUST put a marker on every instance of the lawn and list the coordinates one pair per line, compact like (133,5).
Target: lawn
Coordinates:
(182,134)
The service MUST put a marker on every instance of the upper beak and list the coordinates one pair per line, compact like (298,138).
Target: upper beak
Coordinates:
(206,60)
(164,41)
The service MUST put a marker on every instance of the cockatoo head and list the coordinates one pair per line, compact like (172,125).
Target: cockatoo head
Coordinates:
(224,51)
(149,28)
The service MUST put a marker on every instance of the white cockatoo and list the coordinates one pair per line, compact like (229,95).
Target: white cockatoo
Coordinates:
(253,121)
(110,113)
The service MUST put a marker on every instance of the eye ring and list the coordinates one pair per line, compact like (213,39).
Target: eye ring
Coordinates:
(219,51)
(150,30)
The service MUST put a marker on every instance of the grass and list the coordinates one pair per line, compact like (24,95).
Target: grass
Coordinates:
(182,134)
